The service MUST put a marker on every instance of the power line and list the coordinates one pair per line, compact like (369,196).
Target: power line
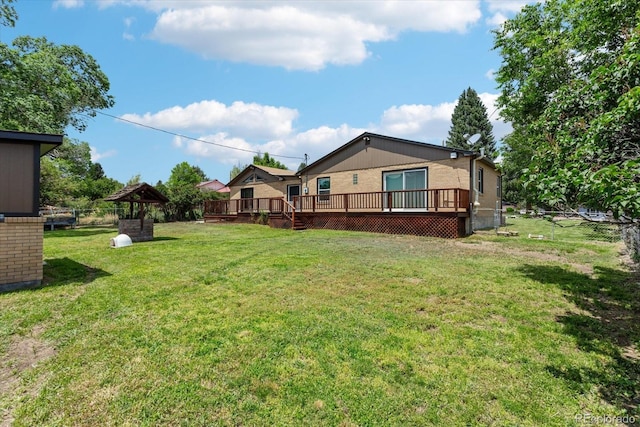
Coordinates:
(195,139)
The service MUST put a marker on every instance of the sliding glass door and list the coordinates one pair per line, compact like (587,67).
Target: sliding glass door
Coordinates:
(403,184)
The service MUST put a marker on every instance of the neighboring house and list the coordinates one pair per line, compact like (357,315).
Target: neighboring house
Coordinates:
(213,185)
(263,182)
(379,183)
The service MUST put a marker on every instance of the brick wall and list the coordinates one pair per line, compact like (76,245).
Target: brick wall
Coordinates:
(21,243)
(449,173)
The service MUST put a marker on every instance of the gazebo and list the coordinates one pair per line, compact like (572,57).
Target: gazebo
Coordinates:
(141,229)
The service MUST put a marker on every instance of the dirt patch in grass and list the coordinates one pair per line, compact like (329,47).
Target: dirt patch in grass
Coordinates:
(496,248)
(24,353)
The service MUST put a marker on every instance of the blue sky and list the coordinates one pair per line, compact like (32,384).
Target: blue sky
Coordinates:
(287,78)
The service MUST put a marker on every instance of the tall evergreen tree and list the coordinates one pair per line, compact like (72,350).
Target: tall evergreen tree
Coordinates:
(470,117)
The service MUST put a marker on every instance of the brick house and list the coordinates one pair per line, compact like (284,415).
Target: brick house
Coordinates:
(376,183)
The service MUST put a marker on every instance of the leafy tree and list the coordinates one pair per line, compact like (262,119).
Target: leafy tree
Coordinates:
(470,117)
(73,158)
(182,192)
(266,160)
(235,170)
(516,155)
(259,160)
(53,187)
(570,83)
(68,177)
(8,14)
(135,179)
(45,87)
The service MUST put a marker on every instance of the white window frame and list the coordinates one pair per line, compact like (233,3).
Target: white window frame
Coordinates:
(324,191)
(404,185)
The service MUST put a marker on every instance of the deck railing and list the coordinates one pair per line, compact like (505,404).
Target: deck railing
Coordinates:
(431,200)
(273,205)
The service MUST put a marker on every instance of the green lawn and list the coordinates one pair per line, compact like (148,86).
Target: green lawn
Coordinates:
(248,325)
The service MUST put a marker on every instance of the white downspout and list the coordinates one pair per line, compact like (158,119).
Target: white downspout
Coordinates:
(476,203)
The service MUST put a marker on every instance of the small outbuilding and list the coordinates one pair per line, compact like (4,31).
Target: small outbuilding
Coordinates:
(21,227)
(142,194)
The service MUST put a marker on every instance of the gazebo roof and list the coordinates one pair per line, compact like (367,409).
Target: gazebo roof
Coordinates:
(139,193)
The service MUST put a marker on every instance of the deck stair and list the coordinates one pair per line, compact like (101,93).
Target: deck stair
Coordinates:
(298,224)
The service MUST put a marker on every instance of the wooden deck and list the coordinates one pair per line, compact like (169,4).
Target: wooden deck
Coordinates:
(432,212)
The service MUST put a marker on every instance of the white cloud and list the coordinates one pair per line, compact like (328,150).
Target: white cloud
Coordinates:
(502,9)
(233,134)
(280,36)
(96,156)
(426,123)
(68,4)
(127,35)
(429,123)
(510,6)
(490,74)
(245,119)
(222,147)
(496,20)
(298,35)
(500,127)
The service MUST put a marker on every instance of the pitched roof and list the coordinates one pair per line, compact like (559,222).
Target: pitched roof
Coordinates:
(140,193)
(279,173)
(275,171)
(213,185)
(365,135)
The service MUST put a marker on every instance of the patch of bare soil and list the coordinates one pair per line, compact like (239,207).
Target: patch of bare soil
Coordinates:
(24,353)
(539,256)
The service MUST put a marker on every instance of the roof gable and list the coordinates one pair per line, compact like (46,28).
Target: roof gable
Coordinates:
(213,185)
(370,150)
(274,173)
(140,193)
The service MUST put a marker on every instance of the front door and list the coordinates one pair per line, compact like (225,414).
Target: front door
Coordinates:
(292,191)
(246,204)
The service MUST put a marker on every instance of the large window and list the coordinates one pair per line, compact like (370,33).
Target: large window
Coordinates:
(407,187)
(324,189)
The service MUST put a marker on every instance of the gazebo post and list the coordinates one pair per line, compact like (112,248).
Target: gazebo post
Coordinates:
(141,207)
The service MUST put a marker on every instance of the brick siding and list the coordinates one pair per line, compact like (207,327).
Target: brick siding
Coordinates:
(21,257)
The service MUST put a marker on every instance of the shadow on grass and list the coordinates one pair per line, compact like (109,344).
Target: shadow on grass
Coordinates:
(81,232)
(64,271)
(161,239)
(608,324)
